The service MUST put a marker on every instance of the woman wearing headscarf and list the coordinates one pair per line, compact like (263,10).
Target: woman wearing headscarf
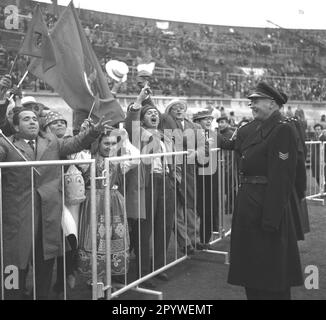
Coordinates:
(108,145)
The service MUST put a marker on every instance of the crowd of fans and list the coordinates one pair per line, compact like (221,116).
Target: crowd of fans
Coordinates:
(35,126)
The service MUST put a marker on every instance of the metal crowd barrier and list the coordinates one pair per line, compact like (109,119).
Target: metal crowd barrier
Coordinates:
(223,177)
(222,184)
(33,165)
(315,168)
(111,290)
(226,182)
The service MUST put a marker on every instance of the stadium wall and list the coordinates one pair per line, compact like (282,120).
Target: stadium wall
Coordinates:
(312,110)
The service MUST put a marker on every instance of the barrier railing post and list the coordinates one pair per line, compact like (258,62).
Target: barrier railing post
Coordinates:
(185,208)
(322,166)
(125,221)
(33,234)
(63,238)
(139,228)
(224,200)
(316,172)
(1,242)
(195,206)
(152,213)
(211,196)
(93,230)
(175,210)
(108,232)
(164,211)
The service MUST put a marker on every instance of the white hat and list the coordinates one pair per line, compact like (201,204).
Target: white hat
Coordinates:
(117,70)
(28,99)
(174,102)
(146,69)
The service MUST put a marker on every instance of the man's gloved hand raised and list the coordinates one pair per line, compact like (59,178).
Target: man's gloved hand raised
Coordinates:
(5,82)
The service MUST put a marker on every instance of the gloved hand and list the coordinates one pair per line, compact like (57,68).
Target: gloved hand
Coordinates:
(5,82)
(16,91)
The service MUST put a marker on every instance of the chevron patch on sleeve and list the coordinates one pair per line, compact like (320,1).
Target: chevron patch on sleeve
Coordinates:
(283,156)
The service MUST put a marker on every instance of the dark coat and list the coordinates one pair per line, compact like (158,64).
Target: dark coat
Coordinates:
(137,179)
(298,202)
(226,133)
(207,189)
(17,196)
(5,126)
(189,171)
(264,250)
(241,134)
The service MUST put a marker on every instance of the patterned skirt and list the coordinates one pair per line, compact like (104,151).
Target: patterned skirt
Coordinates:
(119,237)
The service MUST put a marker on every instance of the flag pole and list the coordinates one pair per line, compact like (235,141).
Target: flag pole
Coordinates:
(20,83)
(90,112)
(13,64)
(14,147)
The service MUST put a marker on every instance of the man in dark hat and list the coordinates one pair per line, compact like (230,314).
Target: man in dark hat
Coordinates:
(225,131)
(224,128)
(264,251)
(207,184)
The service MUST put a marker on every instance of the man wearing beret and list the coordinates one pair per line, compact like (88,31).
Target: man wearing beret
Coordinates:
(17,200)
(264,252)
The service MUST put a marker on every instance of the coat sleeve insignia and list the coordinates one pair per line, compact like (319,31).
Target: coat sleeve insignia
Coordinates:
(283,156)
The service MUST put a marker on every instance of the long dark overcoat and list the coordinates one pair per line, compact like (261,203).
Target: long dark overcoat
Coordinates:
(264,250)
(17,196)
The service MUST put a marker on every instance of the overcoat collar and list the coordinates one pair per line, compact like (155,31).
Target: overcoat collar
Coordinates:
(262,131)
(270,123)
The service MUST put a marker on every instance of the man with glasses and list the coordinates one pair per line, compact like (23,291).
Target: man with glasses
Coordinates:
(188,136)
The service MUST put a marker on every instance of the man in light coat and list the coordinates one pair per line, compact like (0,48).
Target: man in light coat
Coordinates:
(18,196)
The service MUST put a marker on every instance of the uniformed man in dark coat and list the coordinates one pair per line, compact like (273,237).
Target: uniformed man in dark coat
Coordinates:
(264,251)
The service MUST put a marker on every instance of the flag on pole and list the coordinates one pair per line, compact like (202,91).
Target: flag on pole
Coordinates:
(77,76)
(37,42)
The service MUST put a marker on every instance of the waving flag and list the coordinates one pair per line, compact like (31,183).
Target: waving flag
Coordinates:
(37,42)
(77,76)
